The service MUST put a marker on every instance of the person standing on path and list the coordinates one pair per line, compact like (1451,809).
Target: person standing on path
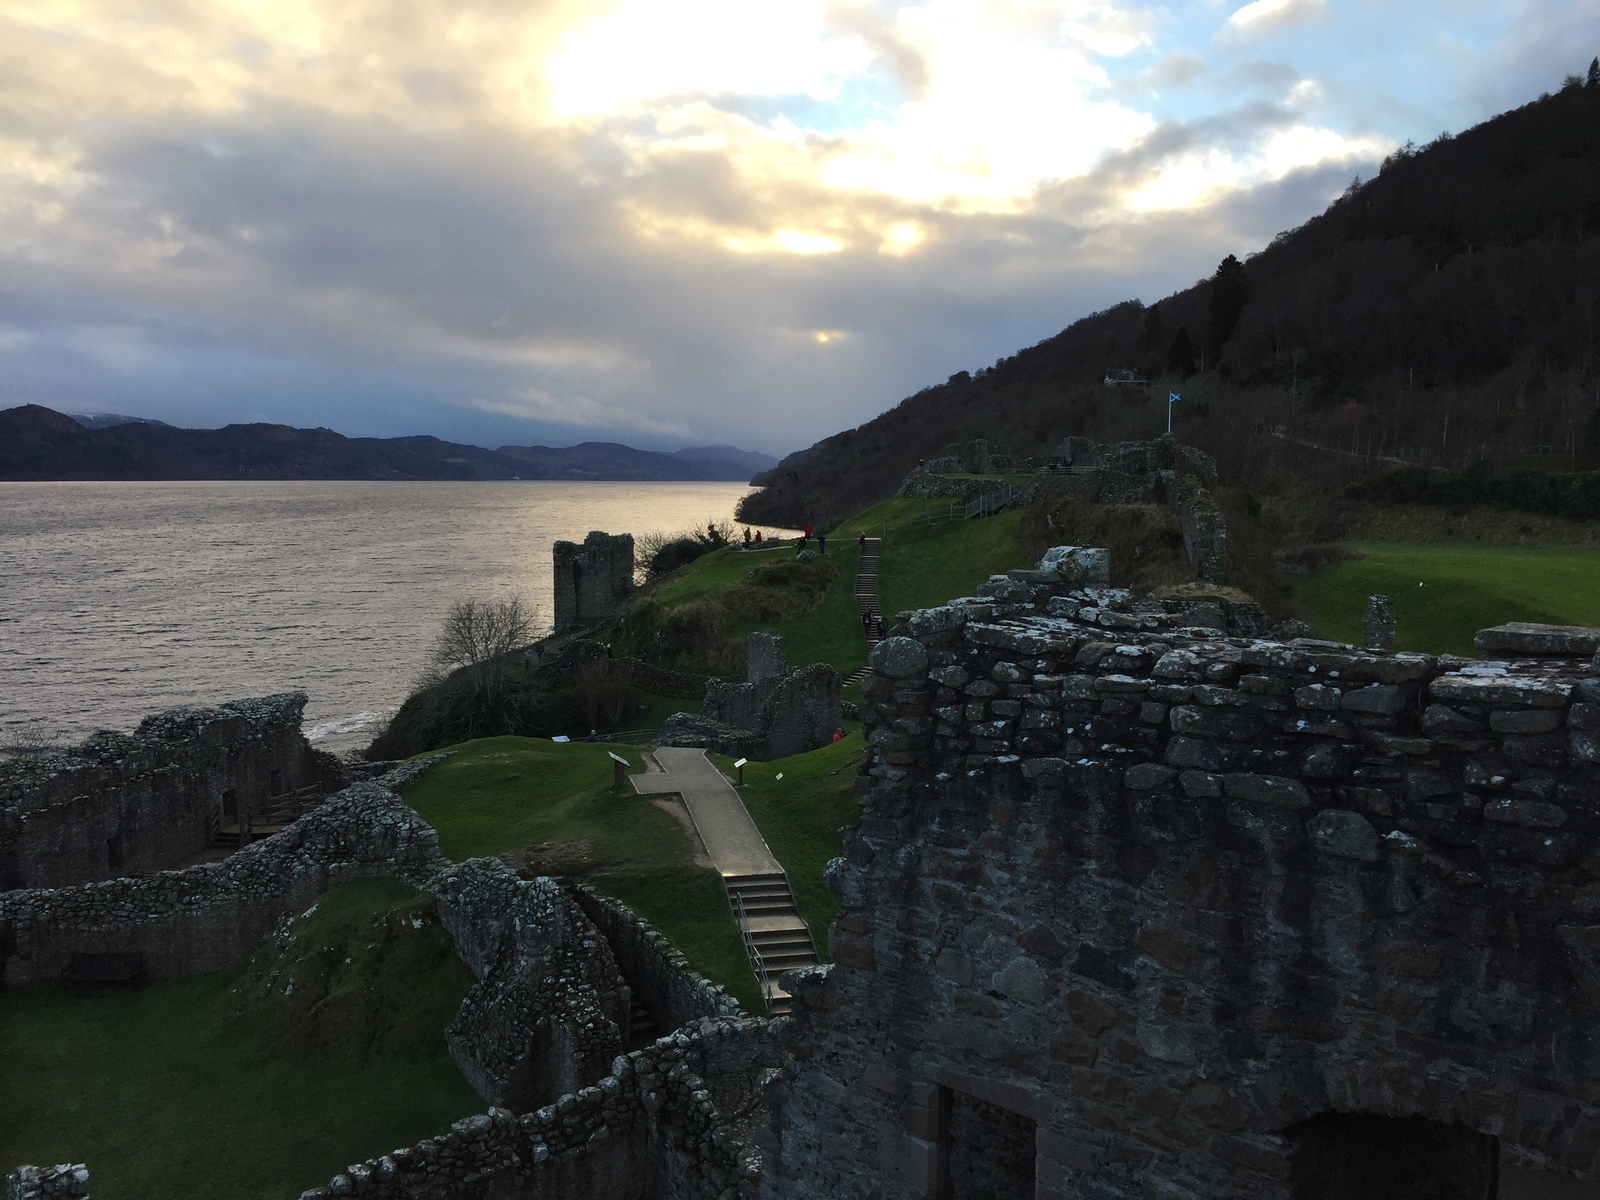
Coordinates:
(822,543)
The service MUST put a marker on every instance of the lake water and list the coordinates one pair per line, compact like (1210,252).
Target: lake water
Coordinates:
(122,599)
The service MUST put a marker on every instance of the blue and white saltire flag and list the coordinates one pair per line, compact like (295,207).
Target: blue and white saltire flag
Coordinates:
(1173,397)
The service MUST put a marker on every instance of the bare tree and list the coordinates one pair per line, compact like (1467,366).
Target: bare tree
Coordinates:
(476,638)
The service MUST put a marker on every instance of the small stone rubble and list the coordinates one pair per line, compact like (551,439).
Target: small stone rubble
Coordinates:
(1132,900)
(68,1181)
(120,803)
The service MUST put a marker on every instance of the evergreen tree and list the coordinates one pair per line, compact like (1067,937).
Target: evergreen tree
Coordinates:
(1594,72)
(1230,292)
(1180,358)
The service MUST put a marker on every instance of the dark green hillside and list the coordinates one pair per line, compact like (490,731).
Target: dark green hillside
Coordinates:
(1444,310)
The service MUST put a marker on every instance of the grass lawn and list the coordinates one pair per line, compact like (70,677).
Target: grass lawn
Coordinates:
(709,571)
(802,817)
(832,633)
(503,794)
(1465,587)
(920,566)
(181,1090)
(925,565)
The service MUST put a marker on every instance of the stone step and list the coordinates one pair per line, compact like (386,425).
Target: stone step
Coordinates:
(744,884)
(777,965)
(786,953)
(778,924)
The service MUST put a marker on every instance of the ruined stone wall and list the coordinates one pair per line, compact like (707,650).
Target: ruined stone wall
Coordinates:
(764,657)
(548,1013)
(668,1122)
(592,581)
(211,916)
(660,976)
(1161,471)
(124,803)
(779,711)
(1161,895)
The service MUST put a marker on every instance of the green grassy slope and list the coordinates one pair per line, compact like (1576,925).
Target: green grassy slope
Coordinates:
(1464,588)
(803,816)
(188,1089)
(831,634)
(921,565)
(710,571)
(504,795)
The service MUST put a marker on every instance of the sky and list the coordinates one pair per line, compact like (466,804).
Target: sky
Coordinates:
(667,222)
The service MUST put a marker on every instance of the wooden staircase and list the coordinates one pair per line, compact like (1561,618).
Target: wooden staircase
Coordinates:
(867,597)
(270,817)
(775,936)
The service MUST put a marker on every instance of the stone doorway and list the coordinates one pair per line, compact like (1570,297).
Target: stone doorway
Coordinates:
(1361,1156)
(988,1151)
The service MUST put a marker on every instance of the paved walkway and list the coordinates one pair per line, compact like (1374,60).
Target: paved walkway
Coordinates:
(775,936)
(731,838)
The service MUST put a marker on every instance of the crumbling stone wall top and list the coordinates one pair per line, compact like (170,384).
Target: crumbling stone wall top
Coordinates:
(1162,893)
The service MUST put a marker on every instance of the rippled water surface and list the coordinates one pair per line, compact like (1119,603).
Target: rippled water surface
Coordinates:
(120,599)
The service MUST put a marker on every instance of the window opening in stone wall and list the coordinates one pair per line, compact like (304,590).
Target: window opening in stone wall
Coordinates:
(275,784)
(1361,1156)
(114,852)
(230,806)
(989,1150)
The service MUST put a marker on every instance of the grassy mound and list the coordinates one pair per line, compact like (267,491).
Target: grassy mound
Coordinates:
(191,1088)
(1442,594)
(367,970)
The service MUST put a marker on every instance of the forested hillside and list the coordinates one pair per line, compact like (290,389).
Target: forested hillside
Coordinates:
(1443,311)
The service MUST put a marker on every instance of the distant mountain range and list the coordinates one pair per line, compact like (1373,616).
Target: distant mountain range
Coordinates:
(38,443)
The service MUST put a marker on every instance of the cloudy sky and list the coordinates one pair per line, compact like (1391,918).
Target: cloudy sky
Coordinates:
(667,222)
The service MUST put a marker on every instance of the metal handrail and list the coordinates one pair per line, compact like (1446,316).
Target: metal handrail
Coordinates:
(991,501)
(756,963)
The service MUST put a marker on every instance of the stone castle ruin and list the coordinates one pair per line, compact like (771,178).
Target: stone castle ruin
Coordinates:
(124,803)
(1161,471)
(1137,909)
(593,580)
(777,711)
(1144,902)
